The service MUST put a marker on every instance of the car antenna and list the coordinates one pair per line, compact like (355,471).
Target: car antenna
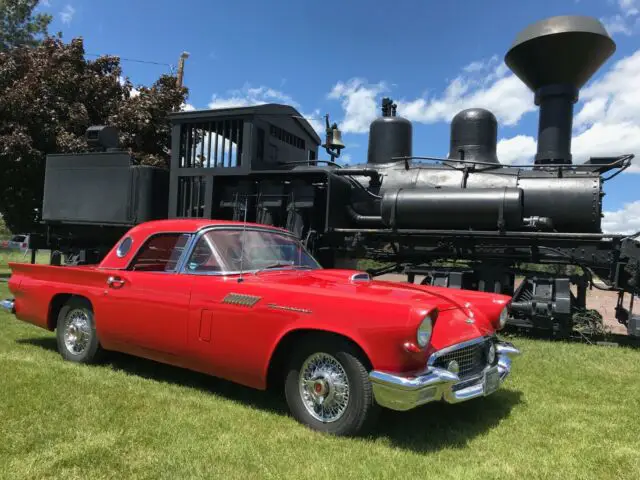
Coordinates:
(242,238)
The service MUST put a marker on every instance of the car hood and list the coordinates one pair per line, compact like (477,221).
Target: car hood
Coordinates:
(360,285)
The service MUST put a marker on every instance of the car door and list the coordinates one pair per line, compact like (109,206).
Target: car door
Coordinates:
(147,304)
(231,324)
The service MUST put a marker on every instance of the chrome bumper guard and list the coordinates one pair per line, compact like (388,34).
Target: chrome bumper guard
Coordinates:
(8,304)
(404,393)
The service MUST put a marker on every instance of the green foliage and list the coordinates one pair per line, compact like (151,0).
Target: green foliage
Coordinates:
(49,95)
(4,231)
(19,26)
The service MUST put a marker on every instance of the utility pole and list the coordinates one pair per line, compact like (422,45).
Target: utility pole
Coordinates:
(183,57)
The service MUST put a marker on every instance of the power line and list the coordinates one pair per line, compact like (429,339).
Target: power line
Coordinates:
(132,60)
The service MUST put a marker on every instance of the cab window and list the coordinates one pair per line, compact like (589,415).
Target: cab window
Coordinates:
(160,253)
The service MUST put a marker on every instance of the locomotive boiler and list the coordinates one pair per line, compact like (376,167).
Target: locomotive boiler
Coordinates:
(463,221)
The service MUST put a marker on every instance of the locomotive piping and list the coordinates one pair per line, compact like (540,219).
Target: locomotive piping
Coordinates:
(366,220)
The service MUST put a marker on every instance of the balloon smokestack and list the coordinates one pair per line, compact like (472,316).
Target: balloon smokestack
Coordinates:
(555,57)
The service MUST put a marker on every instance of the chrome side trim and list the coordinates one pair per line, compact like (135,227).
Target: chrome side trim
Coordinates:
(8,304)
(291,309)
(399,392)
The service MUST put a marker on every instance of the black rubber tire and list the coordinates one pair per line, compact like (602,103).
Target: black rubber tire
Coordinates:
(362,410)
(94,352)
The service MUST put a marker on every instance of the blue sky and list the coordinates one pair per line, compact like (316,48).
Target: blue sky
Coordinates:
(433,57)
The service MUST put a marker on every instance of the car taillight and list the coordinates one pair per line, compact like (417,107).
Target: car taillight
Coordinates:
(24,245)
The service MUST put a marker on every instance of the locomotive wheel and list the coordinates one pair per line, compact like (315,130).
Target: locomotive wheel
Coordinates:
(327,388)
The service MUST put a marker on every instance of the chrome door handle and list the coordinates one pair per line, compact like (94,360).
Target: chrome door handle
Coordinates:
(115,282)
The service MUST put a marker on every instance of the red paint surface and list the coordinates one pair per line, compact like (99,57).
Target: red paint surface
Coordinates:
(181,319)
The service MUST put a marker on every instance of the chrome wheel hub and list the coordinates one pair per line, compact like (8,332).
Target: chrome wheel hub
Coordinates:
(77,331)
(324,387)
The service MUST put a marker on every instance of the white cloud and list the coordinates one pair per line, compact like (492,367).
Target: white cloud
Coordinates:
(45,3)
(629,7)
(609,121)
(67,13)
(359,103)
(474,67)
(618,24)
(626,21)
(187,107)
(248,96)
(624,221)
(518,149)
(483,84)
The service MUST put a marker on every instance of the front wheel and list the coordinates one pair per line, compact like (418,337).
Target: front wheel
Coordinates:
(76,332)
(327,388)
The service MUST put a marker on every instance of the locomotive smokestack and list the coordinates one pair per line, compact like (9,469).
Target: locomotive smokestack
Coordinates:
(555,57)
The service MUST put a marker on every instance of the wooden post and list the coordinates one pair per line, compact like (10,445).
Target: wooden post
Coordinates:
(183,57)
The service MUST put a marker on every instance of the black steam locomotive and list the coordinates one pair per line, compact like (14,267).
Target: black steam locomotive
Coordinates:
(408,213)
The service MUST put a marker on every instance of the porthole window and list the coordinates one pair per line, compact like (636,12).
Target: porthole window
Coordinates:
(124,247)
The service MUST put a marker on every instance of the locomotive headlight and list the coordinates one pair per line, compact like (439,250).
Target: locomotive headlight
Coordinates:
(504,315)
(425,329)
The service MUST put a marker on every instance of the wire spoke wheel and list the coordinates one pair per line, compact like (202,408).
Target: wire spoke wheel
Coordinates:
(324,387)
(77,331)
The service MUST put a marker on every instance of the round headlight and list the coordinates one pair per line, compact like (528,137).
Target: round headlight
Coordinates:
(504,315)
(424,331)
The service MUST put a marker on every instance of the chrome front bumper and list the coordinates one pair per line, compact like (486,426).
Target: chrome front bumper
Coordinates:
(8,304)
(404,393)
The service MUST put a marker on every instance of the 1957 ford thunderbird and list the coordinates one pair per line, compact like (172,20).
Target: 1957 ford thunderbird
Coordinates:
(248,303)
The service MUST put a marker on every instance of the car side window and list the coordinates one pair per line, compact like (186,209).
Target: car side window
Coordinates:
(160,253)
(203,258)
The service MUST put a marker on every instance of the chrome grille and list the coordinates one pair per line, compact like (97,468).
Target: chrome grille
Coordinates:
(472,359)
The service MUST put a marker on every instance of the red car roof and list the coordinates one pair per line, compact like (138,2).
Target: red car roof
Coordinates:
(141,232)
(190,225)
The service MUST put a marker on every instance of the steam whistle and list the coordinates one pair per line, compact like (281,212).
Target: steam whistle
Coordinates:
(333,142)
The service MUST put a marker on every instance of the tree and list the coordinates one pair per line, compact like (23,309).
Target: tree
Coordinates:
(19,26)
(49,95)
(4,231)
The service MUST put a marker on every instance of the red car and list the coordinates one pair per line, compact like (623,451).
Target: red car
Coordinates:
(248,303)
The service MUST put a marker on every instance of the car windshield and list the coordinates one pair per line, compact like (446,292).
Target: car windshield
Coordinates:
(18,238)
(248,250)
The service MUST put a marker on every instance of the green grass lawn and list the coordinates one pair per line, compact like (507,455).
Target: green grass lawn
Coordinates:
(7,256)
(568,411)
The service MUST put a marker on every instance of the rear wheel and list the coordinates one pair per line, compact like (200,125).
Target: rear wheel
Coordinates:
(76,332)
(327,388)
